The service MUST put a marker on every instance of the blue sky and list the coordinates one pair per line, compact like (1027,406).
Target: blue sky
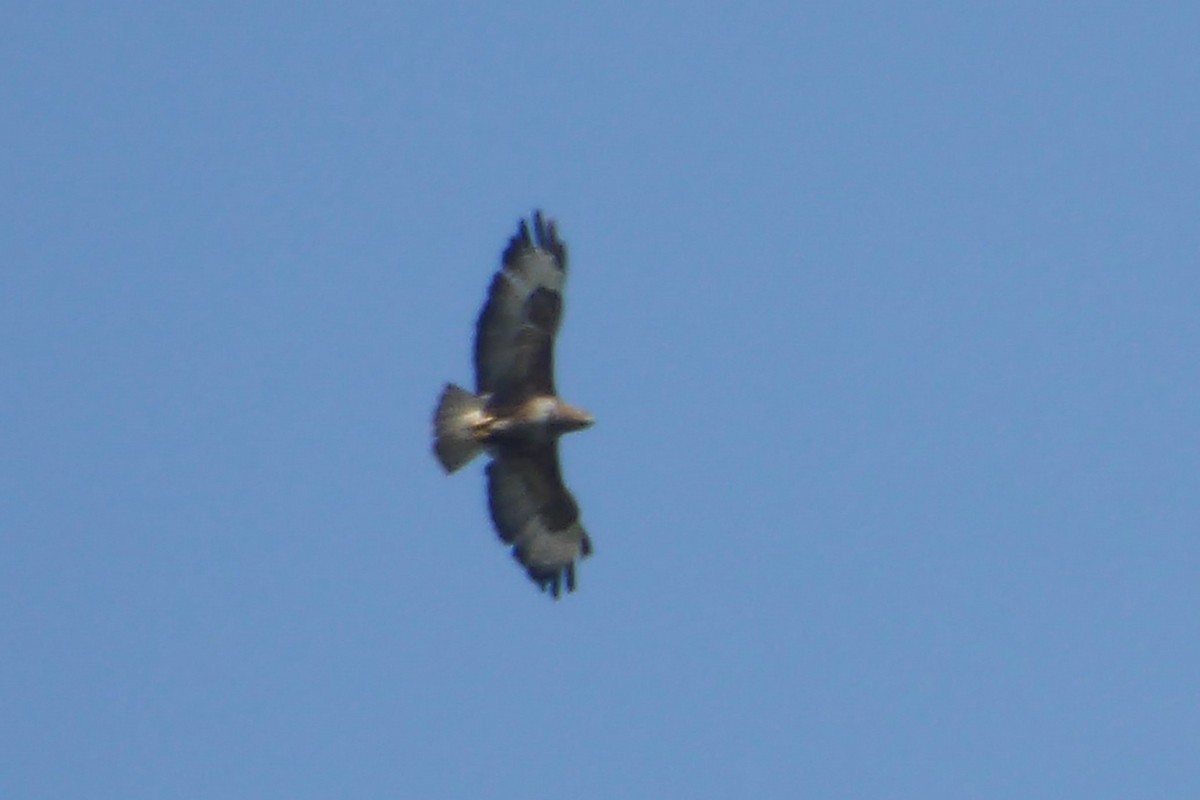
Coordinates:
(888,314)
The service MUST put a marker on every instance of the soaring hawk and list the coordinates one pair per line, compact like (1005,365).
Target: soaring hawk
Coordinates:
(515,413)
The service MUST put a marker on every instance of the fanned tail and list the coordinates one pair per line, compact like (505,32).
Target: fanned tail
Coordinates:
(454,440)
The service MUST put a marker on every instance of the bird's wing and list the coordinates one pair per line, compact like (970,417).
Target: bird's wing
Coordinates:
(534,512)
(514,337)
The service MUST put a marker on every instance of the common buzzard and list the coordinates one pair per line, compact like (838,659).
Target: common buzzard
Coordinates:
(515,413)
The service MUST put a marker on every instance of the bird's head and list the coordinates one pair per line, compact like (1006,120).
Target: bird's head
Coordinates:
(569,418)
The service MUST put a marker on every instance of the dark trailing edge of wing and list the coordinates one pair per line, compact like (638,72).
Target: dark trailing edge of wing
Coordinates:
(491,310)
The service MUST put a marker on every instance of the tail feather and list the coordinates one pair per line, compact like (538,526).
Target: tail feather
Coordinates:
(454,439)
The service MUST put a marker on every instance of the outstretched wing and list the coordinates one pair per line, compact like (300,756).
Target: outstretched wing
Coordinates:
(534,512)
(514,337)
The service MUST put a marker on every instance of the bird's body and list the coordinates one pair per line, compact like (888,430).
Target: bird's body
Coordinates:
(515,413)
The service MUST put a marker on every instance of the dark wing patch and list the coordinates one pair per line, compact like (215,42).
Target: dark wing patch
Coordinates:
(514,337)
(534,512)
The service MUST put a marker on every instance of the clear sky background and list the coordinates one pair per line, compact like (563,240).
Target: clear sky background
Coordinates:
(889,314)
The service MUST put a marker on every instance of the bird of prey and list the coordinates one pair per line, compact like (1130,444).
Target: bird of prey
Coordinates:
(515,413)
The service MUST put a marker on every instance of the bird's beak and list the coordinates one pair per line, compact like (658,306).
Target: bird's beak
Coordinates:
(581,419)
